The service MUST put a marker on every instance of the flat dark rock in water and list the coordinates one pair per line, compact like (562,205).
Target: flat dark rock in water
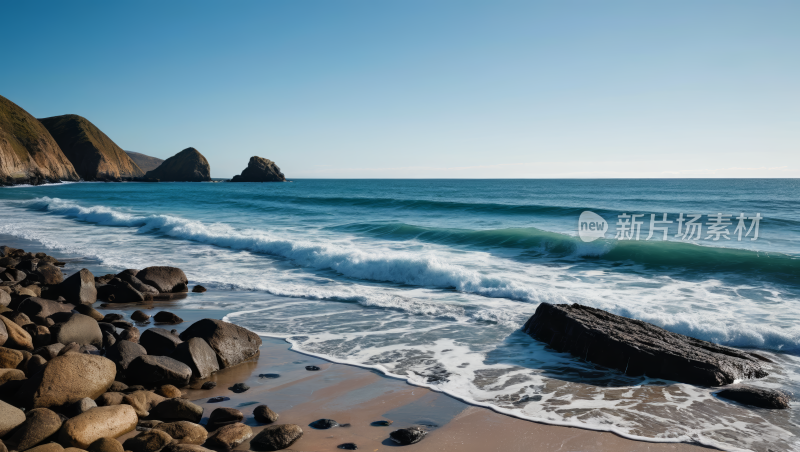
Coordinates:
(406,436)
(348,446)
(239,388)
(638,348)
(209,385)
(758,397)
(218,399)
(381,423)
(323,424)
(312,368)
(269,376)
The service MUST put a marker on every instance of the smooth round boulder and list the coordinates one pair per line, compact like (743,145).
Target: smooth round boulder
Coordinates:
(276,437)
(18,338)
(158,370)
(184,432)
(49,274)
(165,279)
(229,436)
(110,399)
(5,298)
(232,343)
(80,329)
(264,415)
(48,447)
(10,359)
(150,441)
(168,391)
(81,406)
(11,417)
(67,379)
(177,410)
(140,316)
(167,317)
(223,416)
(40,424)
(101,422)
(11,374)
(105,445)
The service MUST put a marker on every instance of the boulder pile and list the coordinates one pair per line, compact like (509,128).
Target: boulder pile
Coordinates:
(71,377)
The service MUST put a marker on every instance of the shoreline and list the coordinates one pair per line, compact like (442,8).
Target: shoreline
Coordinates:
(454,424)
(357,395)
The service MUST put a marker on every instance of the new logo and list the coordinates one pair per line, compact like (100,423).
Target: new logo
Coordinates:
(591,226)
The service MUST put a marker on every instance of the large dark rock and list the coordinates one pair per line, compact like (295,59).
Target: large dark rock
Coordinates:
(223,416)
(276,437)
(198,355)
(759,397)
(177,410)
(151,441)
(260,170)
(158,370)
(164,279)
(167,317)
(158,341)
(49,274)
(129,277)
(406,436)
(638,348)
(79,288)
(119,293)
(229,436)
(34,306)
(264,415)
(232,343)
(189,165)
(124,352)
(80,329)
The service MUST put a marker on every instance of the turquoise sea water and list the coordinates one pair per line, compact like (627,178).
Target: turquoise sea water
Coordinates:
(431,280)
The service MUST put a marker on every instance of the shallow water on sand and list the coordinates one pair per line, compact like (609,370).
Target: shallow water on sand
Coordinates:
(431,280)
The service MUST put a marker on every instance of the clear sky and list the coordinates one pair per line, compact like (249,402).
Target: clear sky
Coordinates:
(424,88)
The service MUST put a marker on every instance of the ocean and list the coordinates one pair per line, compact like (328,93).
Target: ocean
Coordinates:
(431,280)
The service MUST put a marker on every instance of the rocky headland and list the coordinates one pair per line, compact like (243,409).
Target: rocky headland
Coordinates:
(145,162)
(189,165)
(28,153)
(260,169)
(93,154)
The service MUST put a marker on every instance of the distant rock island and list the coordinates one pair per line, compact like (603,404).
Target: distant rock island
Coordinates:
(28,153)
(260,169)
(189,165)
(93,154)
(145,162)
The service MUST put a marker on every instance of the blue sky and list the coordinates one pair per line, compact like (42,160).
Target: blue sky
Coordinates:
(407,88)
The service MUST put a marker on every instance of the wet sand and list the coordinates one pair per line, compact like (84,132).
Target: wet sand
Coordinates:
(359,397)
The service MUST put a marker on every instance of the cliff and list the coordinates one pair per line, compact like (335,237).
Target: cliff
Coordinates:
(92,153)
(145,162)
(189,165)
(260,170)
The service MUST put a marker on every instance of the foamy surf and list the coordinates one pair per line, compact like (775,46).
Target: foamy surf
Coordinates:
(441,306)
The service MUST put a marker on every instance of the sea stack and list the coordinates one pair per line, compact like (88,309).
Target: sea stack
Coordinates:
(93,154)
(28,153)
(189,165)
(260,170)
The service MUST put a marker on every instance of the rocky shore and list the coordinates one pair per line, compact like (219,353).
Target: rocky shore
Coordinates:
(74,378)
